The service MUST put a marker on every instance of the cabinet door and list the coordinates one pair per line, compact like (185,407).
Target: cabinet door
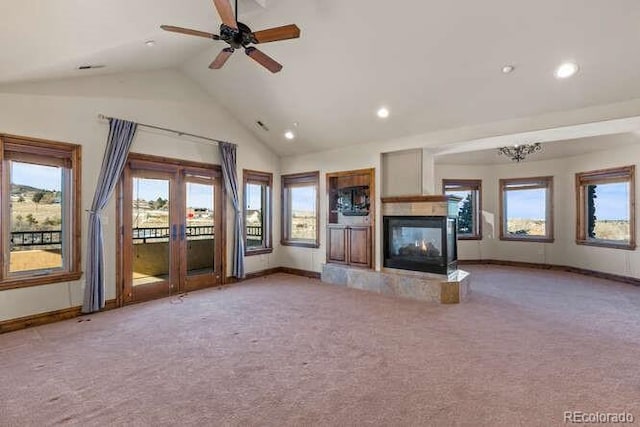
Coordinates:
(359,245)
(337,244)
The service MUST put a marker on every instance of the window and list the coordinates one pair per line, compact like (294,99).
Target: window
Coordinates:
(41,195)
(469,207)
(300,221)
(257,212)
(605,208)
(526,209)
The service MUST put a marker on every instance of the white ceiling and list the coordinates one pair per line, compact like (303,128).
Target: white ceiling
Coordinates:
(435,64)
(550,150)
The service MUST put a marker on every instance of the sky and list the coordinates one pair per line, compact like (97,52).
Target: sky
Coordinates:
(198,195)
(303,199)
(37,176)
(254,196)
(612,202)
(526,204)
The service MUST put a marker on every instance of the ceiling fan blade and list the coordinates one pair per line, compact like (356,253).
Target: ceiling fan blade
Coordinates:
(285,32)
(190,32)
(226,13)
(263,59)
(221,59)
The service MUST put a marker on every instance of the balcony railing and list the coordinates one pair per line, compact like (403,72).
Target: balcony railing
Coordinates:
(254,231)
(140,235)
(163,234)
(36,238)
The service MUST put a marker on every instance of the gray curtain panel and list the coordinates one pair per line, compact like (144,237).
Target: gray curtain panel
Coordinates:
(228,155)
(121,133)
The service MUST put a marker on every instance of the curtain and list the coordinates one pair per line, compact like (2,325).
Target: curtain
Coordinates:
(121,133)
(228,155)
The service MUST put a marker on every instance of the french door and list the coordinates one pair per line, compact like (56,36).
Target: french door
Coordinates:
(171,222)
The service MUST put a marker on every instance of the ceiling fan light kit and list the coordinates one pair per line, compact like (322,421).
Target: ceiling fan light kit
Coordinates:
(239,36)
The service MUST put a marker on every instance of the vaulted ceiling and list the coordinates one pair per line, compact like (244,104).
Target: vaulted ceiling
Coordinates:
(434,64)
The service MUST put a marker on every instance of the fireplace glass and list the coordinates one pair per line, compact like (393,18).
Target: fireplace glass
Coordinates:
(420,243)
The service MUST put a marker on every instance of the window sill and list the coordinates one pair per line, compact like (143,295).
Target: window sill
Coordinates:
(528,239)
(607,244)
(300,244)
(28,281)
(260,251)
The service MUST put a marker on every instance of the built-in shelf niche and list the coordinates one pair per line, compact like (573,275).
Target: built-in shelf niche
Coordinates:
(350,197)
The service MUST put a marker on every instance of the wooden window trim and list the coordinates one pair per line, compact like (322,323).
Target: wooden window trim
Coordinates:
(58,154)
(264,178)
(605,176)
(473,185)
(545,182)
(291,180)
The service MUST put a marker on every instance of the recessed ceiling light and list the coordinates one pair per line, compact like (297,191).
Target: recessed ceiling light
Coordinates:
(383,113)
(566,70)
(508,68)
(289,135)
(150,43)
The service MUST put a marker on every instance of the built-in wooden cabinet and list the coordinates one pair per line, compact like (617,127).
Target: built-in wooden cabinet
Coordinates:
(349,245)
(337,243)
(350,217)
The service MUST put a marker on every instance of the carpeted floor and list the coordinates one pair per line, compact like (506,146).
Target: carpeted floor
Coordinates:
(284,350)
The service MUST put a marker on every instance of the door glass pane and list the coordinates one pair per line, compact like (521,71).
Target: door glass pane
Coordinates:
(200,231)
(151,231)
(36,212)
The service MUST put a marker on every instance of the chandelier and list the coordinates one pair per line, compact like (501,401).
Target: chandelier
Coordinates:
(518,153)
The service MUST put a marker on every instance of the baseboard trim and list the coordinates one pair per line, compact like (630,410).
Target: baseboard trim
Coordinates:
(69,313)
(45,318)
(298,272)
(591,273)
(262,273)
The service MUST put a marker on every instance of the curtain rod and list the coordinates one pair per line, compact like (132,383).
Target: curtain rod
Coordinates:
(177,132)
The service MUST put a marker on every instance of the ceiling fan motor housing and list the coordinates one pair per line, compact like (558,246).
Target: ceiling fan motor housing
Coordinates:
(236,38)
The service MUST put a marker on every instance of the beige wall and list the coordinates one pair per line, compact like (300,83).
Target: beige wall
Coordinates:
(67,111)
(564,250)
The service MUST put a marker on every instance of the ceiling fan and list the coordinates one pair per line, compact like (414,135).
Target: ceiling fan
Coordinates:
(239,35)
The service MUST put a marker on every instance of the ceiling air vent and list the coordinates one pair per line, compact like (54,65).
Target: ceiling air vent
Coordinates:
(262,125)
(90,67)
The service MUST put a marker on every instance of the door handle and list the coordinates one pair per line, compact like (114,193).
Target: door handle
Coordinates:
(183,231)
(174,232)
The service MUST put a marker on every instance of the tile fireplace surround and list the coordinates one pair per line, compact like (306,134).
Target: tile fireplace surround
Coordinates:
(449,288)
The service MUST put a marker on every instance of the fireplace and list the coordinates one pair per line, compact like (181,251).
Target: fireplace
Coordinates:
(420,243)
(419,249)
